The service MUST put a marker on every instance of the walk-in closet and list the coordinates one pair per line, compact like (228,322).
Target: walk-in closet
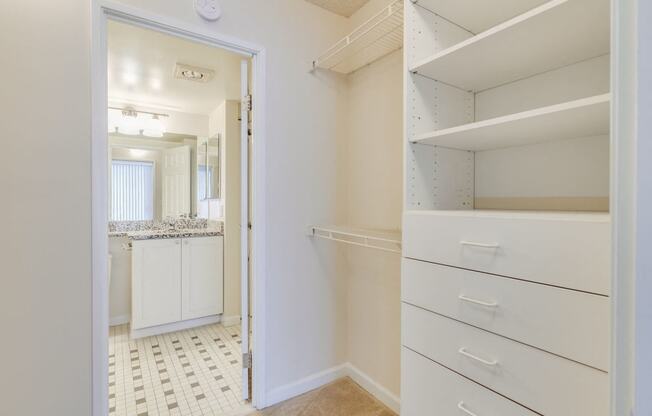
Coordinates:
(366,231)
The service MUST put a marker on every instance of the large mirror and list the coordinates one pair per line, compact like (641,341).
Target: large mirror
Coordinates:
(208,169)
(158,178)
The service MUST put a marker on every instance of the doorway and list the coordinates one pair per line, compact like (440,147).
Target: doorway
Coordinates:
(140,347)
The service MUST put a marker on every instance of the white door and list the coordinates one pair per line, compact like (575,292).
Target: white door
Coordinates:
(156,282)
(202,277)
(244,221)
(175,174)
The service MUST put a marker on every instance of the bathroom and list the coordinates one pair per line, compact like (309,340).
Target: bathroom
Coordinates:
(174,224)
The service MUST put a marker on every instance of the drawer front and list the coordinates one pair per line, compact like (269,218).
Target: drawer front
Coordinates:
(548,249)
(540,381)
(565,322)
(428,388)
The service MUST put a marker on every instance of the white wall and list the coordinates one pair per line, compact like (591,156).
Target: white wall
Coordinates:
(224,121)
(45,260)
(46,298)
(644,214)
(373,181)
(120,287)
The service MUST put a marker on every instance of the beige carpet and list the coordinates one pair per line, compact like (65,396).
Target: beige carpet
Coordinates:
(340,398)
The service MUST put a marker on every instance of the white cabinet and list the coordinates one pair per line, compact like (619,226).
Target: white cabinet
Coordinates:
(156,283)
(201,277)
(175,280)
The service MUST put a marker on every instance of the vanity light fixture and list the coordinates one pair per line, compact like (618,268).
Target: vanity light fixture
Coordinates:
(133,123)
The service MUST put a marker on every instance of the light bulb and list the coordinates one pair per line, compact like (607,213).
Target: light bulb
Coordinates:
(129,124)
(153,127)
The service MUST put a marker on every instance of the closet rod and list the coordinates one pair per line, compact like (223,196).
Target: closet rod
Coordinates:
(384,241)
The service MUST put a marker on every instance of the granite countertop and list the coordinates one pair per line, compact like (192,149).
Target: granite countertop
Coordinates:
(160,234)
(169,228)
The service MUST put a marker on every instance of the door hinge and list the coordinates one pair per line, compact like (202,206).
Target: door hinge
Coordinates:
(249,102)
(247,360)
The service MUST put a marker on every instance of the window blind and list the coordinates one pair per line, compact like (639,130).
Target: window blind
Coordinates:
(132,190)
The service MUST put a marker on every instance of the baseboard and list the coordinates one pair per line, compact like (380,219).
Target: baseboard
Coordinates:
(231,320)
(322,378)
(385,396)
(305,385)
(119,320)
(176,326)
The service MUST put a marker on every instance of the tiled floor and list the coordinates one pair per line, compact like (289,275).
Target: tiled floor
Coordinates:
(188,373)
(340,398)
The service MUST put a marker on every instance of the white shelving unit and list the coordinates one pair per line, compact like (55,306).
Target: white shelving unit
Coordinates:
(377,37)
(507,183)
(580,118)
(385,240)
(556,34)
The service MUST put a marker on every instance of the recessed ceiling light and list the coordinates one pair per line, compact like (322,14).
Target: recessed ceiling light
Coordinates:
(193,73)
(129,78)
(155,84)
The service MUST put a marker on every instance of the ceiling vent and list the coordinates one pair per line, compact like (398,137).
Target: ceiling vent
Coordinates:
(193,73)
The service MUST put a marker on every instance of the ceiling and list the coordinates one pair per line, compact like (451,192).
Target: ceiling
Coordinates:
(141,65)
(342,7)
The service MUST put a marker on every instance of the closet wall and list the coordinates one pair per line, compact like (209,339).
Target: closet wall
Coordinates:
(374,189)
(372,162)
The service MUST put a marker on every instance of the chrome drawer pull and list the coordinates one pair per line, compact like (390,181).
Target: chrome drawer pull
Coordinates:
(463,408)
(482,245)
(467,354)
(478,302)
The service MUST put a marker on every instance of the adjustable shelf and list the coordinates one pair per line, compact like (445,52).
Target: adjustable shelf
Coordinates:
(385,240)
(377,37)
(477,16)
(556,34)
(580,118)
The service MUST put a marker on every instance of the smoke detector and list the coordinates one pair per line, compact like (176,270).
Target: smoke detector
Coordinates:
(193,73)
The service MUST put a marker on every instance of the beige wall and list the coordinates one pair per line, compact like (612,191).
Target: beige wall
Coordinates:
(45,297)
(374,190)
(45,103)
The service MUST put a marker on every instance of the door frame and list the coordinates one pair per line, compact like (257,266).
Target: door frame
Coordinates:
(102,11)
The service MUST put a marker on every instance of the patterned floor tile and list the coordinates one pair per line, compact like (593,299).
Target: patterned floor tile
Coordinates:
(196,372)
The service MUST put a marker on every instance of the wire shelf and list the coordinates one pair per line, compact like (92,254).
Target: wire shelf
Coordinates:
(384,240)
(377,37)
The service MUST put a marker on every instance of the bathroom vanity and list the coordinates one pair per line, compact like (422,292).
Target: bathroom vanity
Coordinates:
(166,275)
(176,283)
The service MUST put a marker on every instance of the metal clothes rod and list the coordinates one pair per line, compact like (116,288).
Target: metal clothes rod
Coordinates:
(367,239)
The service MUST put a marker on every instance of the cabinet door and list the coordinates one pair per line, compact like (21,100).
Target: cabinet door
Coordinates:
(156,286)
(202,277)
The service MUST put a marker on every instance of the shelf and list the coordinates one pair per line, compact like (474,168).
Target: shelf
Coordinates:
(385,240)
(577,216)
(554,35)
(377,37)
(580,118)
(477,16)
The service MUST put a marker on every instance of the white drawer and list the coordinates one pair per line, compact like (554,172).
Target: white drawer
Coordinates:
(565,322)
(563,249)
(427,388)
(545,383)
